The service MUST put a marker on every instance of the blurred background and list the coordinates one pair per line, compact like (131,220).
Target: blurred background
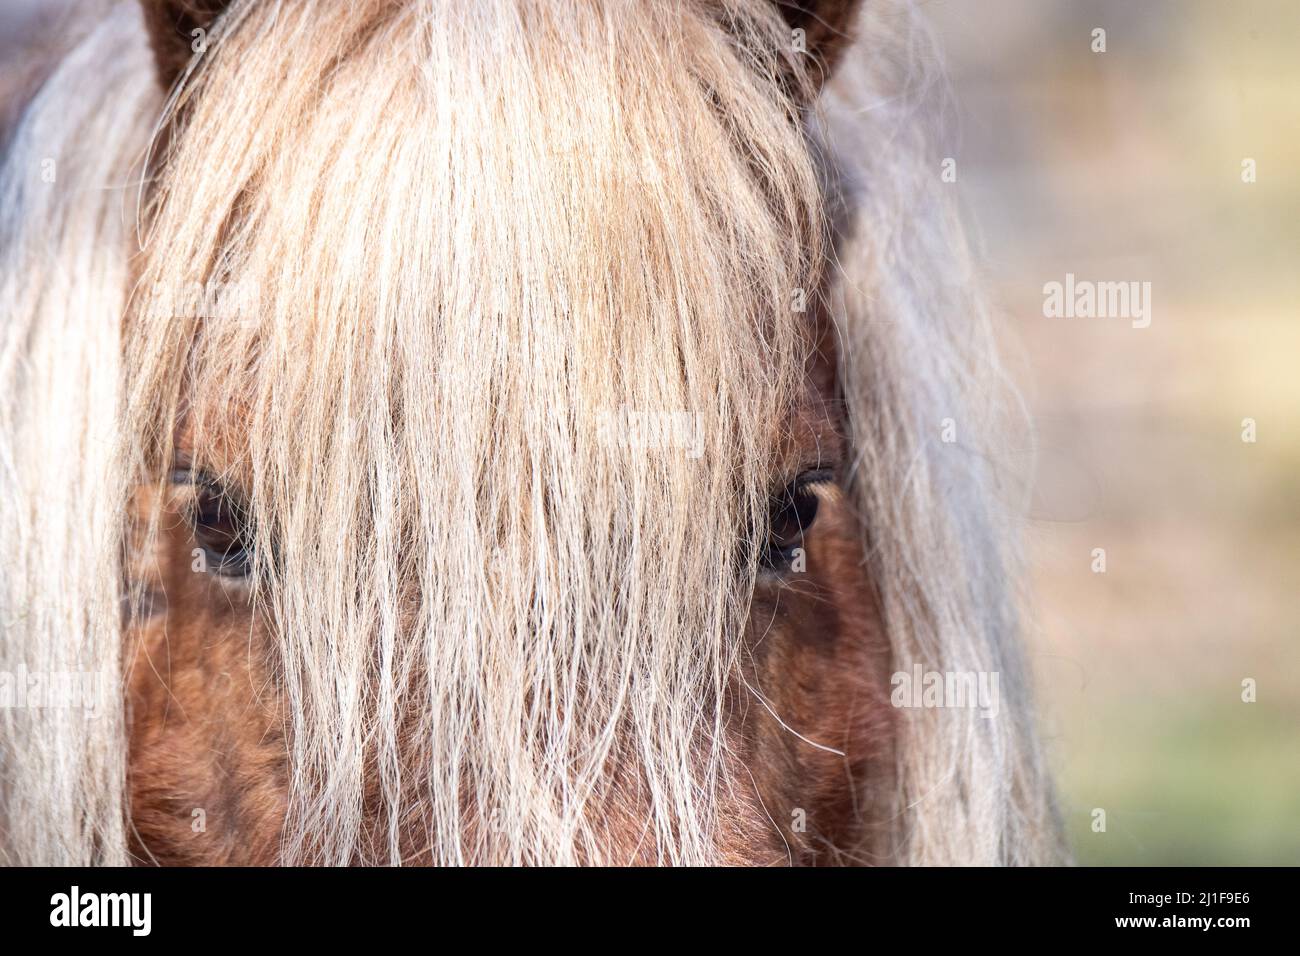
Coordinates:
(1127,165)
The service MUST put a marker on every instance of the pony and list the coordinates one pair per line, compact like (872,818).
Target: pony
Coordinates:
(501,432)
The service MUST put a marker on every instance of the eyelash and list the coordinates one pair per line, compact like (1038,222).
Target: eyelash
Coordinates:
(220,526)
(793,513)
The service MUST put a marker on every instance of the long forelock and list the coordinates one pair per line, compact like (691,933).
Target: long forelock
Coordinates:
(508,268)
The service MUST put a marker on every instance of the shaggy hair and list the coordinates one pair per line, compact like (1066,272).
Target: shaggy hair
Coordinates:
(467,240)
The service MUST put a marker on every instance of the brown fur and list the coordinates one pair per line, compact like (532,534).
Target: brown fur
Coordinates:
(171,24)
(206,732)
(827,26)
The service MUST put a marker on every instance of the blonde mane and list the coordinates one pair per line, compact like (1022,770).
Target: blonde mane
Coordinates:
(459,240)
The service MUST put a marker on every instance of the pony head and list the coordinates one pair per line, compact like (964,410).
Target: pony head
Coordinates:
(500,432)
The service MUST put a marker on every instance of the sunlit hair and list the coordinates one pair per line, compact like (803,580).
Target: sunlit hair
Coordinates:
(463,240)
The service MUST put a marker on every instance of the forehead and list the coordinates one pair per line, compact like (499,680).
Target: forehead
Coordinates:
(812,434)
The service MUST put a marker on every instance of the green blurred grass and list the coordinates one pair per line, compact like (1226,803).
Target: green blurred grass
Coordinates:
(1203,786)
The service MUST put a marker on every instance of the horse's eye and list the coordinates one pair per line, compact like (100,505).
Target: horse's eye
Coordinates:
(221,530)
(793,512)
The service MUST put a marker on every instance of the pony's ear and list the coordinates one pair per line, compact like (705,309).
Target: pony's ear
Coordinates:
(173,27)
(821,29)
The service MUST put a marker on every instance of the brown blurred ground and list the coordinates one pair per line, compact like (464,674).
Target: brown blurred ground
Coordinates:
(1126,165)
